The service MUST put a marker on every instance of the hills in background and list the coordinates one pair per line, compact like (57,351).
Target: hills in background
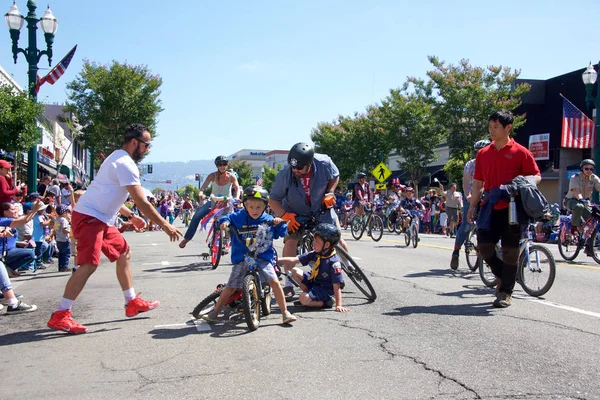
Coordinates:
(180,173)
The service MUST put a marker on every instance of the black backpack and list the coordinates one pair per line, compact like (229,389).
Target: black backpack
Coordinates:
(351,186)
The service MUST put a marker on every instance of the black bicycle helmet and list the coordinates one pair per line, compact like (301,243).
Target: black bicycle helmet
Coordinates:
(361,175)
(300,155)
(587,161)
(328,232)
(221,159)
(255,192)
(481,144)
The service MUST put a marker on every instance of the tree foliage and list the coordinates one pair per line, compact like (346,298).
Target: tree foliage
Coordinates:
(189,190)
(244,171)
(18,120)
(409,119)
(107,98)
(467,95)
(269,175)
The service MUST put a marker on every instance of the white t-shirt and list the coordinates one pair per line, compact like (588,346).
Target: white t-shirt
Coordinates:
(66,197)
(107,193)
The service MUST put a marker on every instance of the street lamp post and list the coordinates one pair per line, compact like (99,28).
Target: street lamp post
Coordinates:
(589,79)
(49,25)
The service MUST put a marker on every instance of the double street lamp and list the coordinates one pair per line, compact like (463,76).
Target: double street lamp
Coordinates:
(589,79)
(49,26)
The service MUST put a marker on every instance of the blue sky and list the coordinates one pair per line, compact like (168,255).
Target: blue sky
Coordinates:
(262,74)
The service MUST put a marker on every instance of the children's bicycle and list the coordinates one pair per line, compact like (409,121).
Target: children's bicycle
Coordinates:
(368,221)
(412,233)
(350,267)
(255,297)
(218,241)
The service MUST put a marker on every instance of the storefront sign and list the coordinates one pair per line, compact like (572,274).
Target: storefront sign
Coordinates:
(539,145)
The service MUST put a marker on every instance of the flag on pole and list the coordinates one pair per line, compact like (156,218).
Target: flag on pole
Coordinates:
(259,182)
(578,131)
(58,70)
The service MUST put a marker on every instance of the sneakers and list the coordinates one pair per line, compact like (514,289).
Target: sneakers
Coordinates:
(183,243)
(61,320)
(64,269)
(288,291)
(288,317)
(4,300)
(328,303)
(138,305)
(503,300)
(210,317)
(454,261)
(21,307)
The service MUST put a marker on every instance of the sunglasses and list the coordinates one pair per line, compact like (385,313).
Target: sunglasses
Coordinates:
(298,167)
(222,164)
(146,143)
(588,169)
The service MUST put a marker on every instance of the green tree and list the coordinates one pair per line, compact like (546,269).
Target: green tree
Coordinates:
(107,98)
(467,95)
(244,171)
(18,120)
(157,190)
(269,175)
(409,118)
(189,190)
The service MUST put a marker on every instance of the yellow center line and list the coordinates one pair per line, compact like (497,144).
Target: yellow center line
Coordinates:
(433,246)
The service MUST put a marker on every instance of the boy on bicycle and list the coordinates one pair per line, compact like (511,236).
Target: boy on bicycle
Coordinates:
(323,283)
(247,222)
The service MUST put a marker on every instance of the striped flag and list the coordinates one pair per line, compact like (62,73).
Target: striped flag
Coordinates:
(578,131)
(259,182)
(58,70)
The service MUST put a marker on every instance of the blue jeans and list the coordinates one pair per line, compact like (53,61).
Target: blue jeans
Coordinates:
(198,215)
(64,253)
(19,258)
(43,252)
(4,280)
(465,227)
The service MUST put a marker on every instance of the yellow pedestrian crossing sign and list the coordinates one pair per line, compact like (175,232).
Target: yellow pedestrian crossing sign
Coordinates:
(381,172)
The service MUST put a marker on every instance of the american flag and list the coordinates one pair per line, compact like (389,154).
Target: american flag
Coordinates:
(58,70)
(259,181)
(578,131)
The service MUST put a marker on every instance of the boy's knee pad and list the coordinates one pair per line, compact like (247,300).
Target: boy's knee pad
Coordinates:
(510,255)
(487,250)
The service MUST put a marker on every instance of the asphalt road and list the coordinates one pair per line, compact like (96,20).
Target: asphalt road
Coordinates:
(431,334)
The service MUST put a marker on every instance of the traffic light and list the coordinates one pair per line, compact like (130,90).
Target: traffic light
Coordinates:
(149,168)
(197,178)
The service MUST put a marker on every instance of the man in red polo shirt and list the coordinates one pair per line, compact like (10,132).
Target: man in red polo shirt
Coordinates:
(497,165)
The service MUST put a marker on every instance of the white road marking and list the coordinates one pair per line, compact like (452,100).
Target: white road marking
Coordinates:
(158,263)
(199,324)
(164,263)
(356,258)
(561,306)
(148,244)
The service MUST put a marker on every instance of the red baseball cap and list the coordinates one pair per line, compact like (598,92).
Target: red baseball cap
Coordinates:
(5,164)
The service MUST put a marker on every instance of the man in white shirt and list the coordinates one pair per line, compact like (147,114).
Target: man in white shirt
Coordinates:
(93,226)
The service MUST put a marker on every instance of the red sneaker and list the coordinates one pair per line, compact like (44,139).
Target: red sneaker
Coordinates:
(62,320)
(138,305)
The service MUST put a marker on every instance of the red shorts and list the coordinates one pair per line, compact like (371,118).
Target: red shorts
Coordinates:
(94,236)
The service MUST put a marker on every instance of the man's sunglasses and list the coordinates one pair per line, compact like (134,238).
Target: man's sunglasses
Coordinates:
(222,164)
(146,143)
(588,169)
(298,167)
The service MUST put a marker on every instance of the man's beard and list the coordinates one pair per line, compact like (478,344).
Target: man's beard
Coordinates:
(138,155)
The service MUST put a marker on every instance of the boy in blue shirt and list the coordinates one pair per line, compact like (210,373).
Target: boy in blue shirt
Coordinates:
(247,222)
(43,250)
(324,282)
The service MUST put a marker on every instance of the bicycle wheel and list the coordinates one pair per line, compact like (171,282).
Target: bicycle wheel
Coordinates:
(216,249)
(407,237)
(356,227)
(355,274)
(389,224)
(376,228)
(537,273)
(265,302)
(398,226)
(568,243)
(251,302)
(471,252)
(486,274)
(596,246)
(207,305)
(414,236)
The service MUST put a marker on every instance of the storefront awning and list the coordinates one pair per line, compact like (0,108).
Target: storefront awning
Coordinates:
(66,171)
(49,170)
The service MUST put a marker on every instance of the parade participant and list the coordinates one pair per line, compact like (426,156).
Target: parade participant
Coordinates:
(465,226)
(247,221)
(322,285)
(93,227)
(300,189)
(497,165)
(454,202)
(222,183)
(362,193)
